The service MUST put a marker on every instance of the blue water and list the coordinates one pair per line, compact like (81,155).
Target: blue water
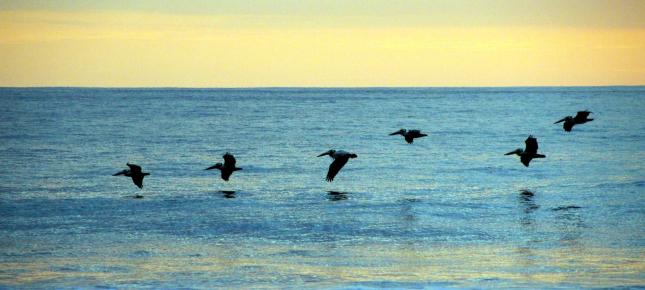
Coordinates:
(445,212)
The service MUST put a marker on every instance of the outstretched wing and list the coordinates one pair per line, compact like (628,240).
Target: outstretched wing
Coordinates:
(567,126)
(562,120)
(226,173)
(122,172)
(531,145)
(526,159)
(409,138)
(138,180)
(229,160)
(335,167)
(134,168)
(582,115)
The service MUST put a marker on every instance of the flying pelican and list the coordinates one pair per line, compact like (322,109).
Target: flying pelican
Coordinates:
(409,134)
(227,168)
(340,158)
(529,152)
(135,173)
(580,118)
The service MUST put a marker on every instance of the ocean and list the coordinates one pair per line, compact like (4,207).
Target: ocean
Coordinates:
(448,211)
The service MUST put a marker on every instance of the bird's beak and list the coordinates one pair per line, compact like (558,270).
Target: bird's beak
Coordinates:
(323,154)
(212,167)
(560,121)
(510,153)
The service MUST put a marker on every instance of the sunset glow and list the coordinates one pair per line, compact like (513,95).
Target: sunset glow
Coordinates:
(339,43)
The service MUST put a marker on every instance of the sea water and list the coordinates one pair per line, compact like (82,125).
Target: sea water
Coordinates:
(449,211)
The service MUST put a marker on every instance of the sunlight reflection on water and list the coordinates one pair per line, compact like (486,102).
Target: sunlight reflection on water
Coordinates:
(448,211)
(181,264)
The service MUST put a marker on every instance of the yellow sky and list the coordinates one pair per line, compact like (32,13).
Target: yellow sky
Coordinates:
(137,48)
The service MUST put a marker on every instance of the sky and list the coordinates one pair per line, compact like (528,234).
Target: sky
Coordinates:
(324,43)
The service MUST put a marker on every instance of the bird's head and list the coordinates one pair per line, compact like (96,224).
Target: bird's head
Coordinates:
(330,152)
(517,151)
(400,132)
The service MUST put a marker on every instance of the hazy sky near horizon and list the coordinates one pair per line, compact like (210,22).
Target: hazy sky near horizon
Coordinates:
(321,43)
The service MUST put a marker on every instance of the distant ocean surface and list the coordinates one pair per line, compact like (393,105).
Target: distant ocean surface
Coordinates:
(444,212)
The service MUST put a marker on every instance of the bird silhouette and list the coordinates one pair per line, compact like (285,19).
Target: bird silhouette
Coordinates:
(529,152)
(340,159)
(227,168)
(580,118)
(135,173)
(409,135)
